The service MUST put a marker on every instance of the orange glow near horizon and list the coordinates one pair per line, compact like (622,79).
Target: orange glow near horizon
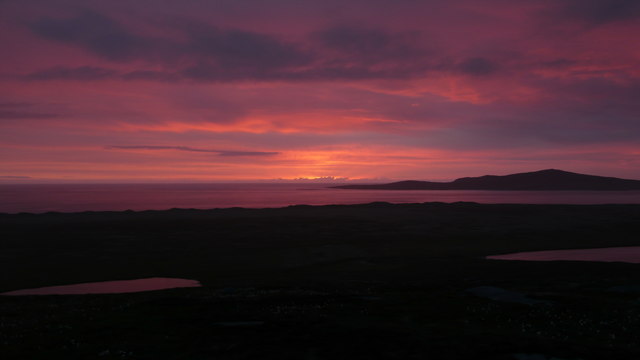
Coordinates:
(106,94)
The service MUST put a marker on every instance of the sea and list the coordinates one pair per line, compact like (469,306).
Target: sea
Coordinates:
(41,198)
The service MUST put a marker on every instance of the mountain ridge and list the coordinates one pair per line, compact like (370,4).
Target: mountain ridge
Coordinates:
(548,179)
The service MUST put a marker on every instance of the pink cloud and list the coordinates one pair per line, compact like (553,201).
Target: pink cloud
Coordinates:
(405,89)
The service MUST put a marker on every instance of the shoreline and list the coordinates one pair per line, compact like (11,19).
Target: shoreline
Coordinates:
(363,204)
(140,198)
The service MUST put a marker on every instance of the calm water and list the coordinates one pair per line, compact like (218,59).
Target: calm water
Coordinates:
(70,198)
(109,287)
(629,254)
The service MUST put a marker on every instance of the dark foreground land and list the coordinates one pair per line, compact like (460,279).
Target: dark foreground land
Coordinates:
(376,281)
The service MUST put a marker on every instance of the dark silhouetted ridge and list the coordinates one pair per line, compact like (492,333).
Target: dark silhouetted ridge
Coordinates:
(550,179)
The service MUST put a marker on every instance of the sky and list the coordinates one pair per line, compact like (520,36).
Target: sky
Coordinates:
(196,90)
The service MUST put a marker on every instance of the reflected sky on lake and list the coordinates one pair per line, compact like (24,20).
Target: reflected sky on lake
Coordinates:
(109,287)
(630,254)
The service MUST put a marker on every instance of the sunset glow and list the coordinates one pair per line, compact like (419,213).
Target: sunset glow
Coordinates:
(151,90)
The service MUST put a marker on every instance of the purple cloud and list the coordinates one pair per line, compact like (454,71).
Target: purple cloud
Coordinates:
(191,149)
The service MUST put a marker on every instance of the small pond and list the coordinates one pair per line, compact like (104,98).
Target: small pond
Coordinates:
(629,254)
(109,287)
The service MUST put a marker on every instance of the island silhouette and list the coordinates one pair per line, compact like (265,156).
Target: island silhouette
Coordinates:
(550,179)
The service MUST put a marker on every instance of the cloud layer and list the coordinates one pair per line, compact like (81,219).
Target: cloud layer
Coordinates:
(191,149)
(287,89)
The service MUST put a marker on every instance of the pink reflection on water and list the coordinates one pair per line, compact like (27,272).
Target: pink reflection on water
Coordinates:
(630,254)
(118,197)
(109,287)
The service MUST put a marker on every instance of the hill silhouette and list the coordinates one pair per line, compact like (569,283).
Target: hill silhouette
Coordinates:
(550,179)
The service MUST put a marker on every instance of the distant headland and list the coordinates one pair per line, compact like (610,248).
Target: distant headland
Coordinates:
(550,179)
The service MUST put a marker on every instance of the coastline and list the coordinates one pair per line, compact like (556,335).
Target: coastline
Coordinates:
(140,197)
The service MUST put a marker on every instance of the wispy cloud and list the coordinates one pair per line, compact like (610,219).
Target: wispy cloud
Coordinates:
(82,73)
(16,111)
(191,149)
